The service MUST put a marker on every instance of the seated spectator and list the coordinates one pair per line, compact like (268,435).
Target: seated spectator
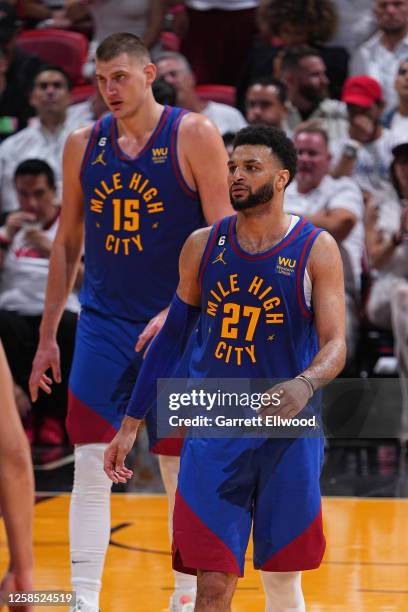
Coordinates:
(265,102)
(397,118)
(288,24)
(17,68)
(381,55)
(45,137)
(305,77)
(26,241)
(217,37)
(365,153)
(387,246)
(334,205)
(175,69)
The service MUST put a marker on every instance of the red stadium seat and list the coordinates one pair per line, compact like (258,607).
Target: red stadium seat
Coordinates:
(62,48)
(218,93)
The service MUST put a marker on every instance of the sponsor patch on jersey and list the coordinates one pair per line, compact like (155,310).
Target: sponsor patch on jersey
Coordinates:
(286,266)
(159,155)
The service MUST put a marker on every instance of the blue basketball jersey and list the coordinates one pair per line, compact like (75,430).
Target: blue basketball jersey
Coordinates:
(255,322)
(138,213)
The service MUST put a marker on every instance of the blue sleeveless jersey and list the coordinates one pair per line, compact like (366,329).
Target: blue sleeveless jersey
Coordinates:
(138,213)
(255,322)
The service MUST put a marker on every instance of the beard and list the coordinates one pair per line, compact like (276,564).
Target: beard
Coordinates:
(394,29)
(312,94)
(254,198)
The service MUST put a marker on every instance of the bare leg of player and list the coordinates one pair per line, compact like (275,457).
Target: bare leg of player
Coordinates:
(16,490)
(185,585)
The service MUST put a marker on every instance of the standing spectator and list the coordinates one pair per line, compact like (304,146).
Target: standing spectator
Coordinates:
(397,119)
(175,69)
(26,241)
(304,74)
(17,68)
(45,137)
(365,153)
(265,102)
(354,26)
(16,492)
(218,37)
(288,24)
(387,246)
(380,56)
(334,205)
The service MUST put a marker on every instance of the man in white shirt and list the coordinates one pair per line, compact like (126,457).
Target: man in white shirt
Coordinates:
(397,119)
(25,247)
(365,154)
(335,205)
(304,74)
(175,69)
(380,56)
(45,137)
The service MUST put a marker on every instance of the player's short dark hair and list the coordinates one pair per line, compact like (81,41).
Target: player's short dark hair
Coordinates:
(164,92)
(313,126)
(58,69)
(121,42)
(294,55)
(275,139)
(266,81)
(36,167)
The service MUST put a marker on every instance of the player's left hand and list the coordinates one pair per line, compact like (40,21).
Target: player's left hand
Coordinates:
(293,396)
(151,330)
(121,445)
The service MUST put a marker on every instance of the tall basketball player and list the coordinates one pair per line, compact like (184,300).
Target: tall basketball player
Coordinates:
(136,185)
(269,287)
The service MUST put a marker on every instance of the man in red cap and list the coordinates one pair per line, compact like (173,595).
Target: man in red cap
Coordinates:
(366,153)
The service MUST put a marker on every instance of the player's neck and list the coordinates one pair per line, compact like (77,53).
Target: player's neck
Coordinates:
(140,125)
(263,229)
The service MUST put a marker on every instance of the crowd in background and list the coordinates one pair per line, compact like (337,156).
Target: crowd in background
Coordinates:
(333,74)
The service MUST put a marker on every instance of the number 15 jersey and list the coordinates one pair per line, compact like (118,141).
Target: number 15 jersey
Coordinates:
(138,213)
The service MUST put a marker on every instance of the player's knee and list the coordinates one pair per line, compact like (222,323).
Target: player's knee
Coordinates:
(283,590)
(88,472)
(213,586)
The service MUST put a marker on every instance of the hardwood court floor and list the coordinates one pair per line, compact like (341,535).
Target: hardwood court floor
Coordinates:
(365,567)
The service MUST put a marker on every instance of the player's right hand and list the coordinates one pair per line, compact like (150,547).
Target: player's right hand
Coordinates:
(47,356)
(121,445)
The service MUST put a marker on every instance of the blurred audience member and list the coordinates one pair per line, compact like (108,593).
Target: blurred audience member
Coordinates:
(16,492)
(356,23)
(304,75)
(17,68)
(218,36)
(175,69)
(45,137)
(288,24)
(265,102)
(141,17)
(365,153)
(26,240)
(397,118)
(387,246)
(381,55)
(334,205)
(164,92)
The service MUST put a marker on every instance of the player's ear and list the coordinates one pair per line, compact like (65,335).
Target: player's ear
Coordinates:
(282,180)
(150,71)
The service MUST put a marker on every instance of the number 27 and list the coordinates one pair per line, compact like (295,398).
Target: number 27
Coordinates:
(229,327)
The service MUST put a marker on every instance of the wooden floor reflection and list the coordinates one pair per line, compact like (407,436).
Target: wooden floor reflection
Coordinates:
(365,566)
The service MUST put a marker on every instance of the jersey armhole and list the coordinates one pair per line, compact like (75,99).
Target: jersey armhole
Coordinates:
(90,145)
(207,251)
(174,157)
(306,310)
